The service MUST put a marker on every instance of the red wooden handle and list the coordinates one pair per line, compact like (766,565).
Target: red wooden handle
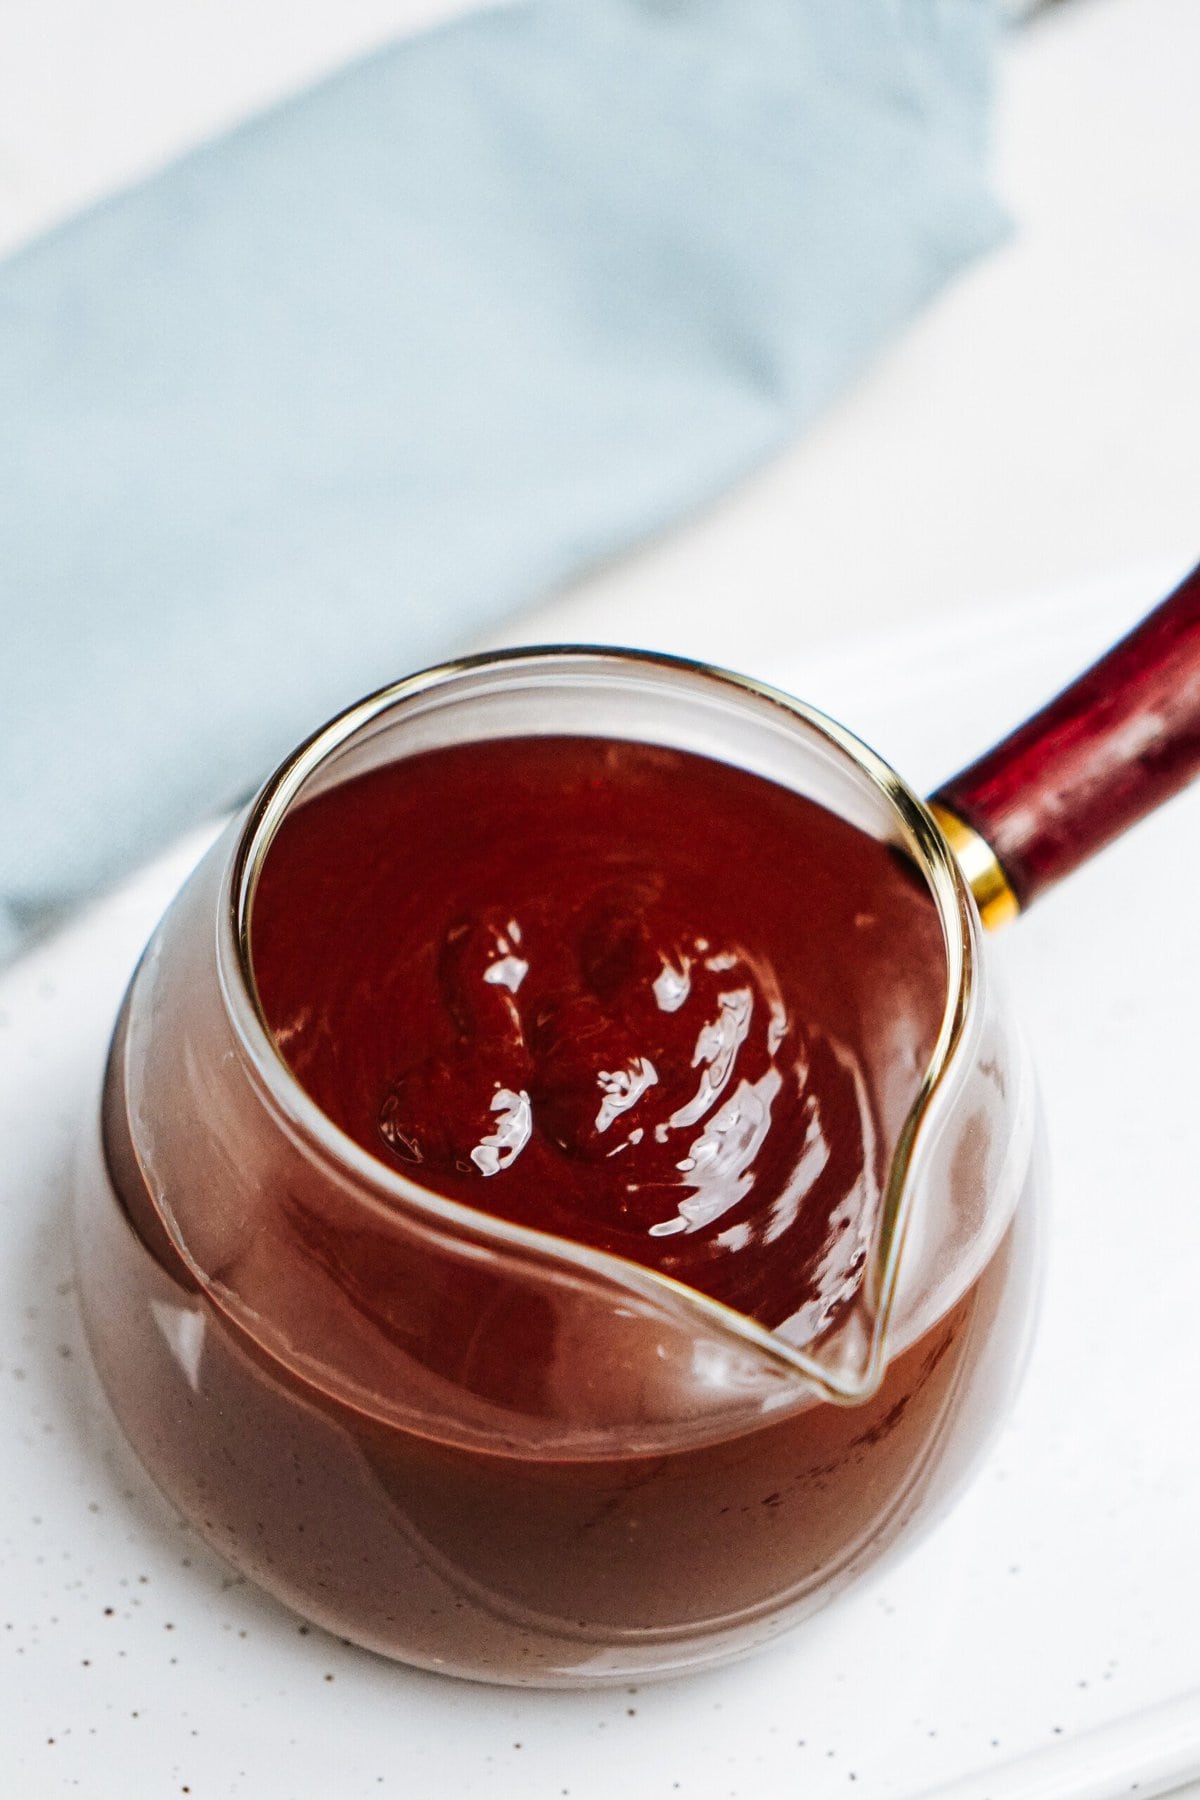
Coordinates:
(1113,746)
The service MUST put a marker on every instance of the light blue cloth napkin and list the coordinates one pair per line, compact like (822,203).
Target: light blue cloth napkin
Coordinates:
(300,413)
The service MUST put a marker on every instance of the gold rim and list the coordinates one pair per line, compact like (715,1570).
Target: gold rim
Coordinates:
(391,1189)
(982,869)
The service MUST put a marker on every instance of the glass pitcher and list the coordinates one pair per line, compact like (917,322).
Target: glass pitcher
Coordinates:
(474,1446)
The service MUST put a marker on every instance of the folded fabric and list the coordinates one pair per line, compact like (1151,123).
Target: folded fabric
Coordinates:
(301,412)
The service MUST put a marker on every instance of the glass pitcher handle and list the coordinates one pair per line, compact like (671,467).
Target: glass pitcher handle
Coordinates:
(1116,743)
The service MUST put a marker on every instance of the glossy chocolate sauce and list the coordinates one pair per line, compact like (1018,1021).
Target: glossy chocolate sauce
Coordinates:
(611,991)
(627,995)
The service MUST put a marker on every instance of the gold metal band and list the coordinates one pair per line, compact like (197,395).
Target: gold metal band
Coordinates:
(984,872)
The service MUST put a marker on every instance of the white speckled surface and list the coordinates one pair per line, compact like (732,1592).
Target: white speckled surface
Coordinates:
(1042,1644)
